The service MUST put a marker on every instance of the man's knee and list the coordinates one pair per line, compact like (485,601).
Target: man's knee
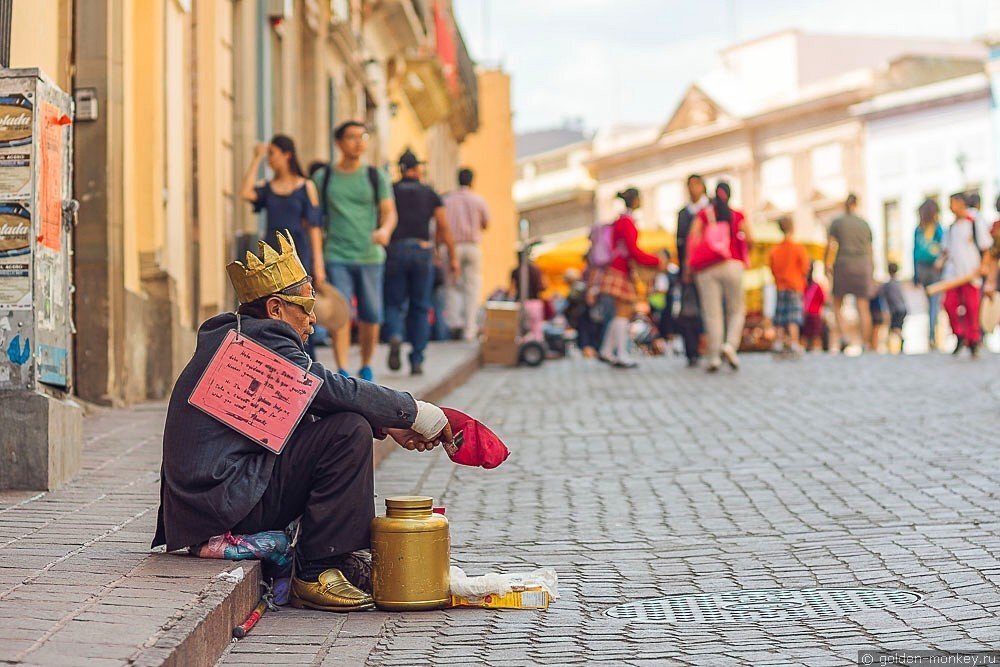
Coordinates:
(356,426)
(350,430)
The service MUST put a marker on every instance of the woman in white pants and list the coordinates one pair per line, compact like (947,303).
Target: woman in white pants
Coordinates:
(720,284)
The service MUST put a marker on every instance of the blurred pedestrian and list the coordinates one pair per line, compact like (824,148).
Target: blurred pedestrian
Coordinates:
(440,331)
(618,282)
(290,203)
(689,324)
(789,264)
(575,309)
(813,303)
(468,216)
(528,289)
(532,289)
(601,310)
(927,261)
(360,216)
(663,303)
(717,256)
(964,244)
(878,312)
(892,304)
(974,201)
(409,264)
(849,262)
(988,266)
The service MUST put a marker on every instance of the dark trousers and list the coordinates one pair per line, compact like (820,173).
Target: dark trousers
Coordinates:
(688,323)
(409,282)
(666,322)
(440,329)
(606,308)
(689,329)
(325,475)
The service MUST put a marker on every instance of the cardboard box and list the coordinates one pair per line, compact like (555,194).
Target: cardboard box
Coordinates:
(503,319)
(501,331)
(528,598)
(503,351)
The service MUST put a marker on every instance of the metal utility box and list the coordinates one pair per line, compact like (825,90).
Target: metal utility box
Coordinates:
(40,439)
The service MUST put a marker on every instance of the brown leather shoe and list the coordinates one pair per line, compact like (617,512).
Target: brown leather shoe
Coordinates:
(332,592)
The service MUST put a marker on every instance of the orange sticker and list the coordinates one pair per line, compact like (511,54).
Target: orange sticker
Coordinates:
(255,392)
(50,176)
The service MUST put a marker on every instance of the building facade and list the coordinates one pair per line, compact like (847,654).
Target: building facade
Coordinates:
(489,152)
(924,142)
(777,120)
(554,190)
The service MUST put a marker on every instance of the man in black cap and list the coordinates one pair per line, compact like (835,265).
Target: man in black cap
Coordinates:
(409,263)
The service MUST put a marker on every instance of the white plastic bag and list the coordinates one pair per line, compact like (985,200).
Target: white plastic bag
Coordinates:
(494,583)
(232,576)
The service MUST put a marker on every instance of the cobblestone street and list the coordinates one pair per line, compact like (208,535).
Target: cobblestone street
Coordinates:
(830,473)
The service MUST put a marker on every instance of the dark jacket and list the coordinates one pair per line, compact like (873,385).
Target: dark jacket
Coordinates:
(212,476)
(684,221)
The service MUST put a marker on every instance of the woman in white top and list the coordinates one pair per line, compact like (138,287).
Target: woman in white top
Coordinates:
(962,254)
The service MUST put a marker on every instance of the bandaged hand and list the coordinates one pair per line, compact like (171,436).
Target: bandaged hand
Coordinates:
(429,429)
(430,420)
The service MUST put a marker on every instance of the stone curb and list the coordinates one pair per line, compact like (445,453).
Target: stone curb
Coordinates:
(200,633)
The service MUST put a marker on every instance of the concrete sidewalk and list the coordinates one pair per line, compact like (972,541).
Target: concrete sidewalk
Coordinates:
(78,584)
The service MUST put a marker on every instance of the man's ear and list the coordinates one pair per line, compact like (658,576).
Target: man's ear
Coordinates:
(273,307)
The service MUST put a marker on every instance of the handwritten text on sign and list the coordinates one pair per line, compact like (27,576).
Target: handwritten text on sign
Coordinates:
(255,391)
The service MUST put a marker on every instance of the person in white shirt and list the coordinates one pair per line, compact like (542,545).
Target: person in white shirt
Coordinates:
(962,252)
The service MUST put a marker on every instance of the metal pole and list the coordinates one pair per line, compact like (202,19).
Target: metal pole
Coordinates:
(6,7)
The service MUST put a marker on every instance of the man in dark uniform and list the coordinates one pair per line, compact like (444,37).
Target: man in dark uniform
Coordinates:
(214,479)
(688,322)
(409,263)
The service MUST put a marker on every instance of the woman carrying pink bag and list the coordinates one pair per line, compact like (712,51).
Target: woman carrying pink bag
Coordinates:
(719,253)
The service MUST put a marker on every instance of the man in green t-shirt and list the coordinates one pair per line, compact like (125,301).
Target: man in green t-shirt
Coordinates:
(360,216)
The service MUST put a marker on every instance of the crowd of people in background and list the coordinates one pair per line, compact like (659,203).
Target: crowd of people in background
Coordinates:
(400,254)
(408,262)
(696,301)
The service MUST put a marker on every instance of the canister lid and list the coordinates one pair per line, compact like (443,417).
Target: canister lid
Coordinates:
(409,503)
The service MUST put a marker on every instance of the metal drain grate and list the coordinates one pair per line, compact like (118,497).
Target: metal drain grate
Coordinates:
(762,605)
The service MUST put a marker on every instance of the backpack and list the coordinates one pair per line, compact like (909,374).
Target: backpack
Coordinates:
(328,174)
(602,250)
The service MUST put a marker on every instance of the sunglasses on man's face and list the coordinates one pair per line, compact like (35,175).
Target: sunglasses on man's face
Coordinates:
(306,303)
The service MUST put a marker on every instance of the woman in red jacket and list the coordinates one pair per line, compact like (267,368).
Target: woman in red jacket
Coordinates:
(618,281)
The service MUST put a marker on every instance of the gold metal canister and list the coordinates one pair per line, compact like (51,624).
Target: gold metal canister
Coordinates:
(411,552)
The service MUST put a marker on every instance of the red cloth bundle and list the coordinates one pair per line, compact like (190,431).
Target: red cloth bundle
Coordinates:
(475,445)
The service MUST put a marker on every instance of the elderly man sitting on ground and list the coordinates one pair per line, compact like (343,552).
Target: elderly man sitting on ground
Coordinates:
(214,479)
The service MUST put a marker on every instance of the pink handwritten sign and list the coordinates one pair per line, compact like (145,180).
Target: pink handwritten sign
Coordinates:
(255,391)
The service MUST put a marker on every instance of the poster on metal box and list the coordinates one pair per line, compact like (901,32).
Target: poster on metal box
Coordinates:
(15,257)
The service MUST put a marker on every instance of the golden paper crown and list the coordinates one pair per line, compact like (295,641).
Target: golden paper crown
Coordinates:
(269,274)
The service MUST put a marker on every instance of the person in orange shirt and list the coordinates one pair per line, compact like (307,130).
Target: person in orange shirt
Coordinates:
(790,265)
